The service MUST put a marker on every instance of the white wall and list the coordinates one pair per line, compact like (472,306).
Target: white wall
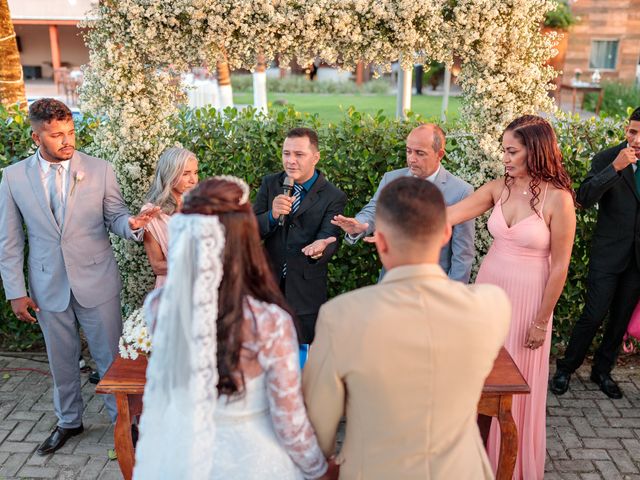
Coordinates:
(50,9)
(36,48)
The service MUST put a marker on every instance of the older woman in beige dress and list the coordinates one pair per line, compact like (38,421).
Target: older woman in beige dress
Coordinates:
(176,174)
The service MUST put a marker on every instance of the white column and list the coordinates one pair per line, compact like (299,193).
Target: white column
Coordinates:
(226,96)
(403,102)
(260,91)
(445,94)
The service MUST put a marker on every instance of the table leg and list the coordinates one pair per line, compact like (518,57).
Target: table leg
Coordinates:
(122,436)
(508,440)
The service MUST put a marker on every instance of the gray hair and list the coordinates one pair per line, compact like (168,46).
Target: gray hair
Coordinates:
(169,169)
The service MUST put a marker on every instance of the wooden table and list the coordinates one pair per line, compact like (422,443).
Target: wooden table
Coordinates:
(504,381)
(126,378)
(584,88)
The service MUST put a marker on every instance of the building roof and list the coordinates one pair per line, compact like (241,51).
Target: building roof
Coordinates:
(38,11)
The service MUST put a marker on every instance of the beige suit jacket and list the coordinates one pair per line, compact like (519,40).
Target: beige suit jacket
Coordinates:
(406,361)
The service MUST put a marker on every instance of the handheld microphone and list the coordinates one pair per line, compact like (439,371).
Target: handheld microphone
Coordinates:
(287,189)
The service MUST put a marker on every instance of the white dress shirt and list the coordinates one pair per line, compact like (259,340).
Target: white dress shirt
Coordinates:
(48,175)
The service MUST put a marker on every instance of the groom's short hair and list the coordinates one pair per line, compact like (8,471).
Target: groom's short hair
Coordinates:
(413,208)
(45,110)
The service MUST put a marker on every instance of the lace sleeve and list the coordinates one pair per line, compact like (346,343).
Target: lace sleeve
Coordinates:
(278,357)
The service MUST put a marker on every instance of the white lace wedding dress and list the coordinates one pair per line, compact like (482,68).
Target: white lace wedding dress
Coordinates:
(265,434)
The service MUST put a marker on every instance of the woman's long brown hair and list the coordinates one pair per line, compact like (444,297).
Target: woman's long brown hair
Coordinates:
(544,160)
(246,271)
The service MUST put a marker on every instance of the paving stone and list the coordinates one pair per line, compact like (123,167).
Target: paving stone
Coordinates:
(589,454)
(25,415)
(569,437)
(582,426)
(625,422)
(39,472)
(629,412)
(110,475)
(577,403)
(606,443)
(38,460)
(68,460)
(20,432)
(92,470)
(608,470)
(12,464)
(557,421)
(613,432)
(17,447)
(574,466)
(623,461)
(633,447)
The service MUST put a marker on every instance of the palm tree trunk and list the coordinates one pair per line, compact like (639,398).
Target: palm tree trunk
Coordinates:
(11,79)
(224,84)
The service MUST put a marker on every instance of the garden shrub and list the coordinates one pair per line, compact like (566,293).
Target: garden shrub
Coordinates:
(355,153)
(617,98)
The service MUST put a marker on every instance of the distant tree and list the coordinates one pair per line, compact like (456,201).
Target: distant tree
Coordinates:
(11,78)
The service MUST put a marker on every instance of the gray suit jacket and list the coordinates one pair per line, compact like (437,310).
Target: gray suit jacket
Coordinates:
(457,256)
(77,258)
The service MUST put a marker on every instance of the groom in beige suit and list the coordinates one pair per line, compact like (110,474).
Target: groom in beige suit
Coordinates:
(405,360)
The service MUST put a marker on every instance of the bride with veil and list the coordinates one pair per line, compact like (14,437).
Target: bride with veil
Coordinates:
(223,397)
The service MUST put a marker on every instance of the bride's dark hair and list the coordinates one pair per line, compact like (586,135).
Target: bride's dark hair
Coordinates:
(246,271)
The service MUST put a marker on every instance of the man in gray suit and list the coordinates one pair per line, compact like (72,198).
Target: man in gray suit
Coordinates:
(425,150)
(69,202)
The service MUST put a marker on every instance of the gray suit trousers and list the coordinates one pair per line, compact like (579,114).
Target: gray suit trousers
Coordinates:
(102,326)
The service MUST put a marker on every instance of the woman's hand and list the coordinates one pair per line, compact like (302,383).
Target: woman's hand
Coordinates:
(535,336)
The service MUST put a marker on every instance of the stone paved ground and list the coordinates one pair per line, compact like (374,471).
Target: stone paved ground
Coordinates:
(589,436)
(27,418)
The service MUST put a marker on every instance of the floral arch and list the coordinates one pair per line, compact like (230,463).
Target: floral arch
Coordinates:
(139,47)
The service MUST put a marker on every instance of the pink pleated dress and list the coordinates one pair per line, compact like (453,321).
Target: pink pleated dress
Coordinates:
(518,262)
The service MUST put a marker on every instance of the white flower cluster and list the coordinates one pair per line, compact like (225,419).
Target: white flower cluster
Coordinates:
(138,48)
(135,338)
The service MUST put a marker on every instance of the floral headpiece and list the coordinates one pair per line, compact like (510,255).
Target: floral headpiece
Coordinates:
(238,181)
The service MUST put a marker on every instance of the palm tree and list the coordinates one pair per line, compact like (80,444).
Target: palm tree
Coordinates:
(11,79)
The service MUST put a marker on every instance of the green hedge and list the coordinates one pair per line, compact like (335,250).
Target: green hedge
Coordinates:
(356,152)
(617,98)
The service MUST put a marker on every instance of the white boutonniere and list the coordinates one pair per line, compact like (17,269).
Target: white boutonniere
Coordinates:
(77,178)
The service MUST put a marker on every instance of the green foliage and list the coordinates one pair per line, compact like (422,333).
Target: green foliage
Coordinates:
(301,84)
(561,17)
(355,153)
(15,136)
(579,140)
(433,75)
(617,98)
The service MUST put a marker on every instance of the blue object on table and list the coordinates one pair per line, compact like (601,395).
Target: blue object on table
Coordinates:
(304,353)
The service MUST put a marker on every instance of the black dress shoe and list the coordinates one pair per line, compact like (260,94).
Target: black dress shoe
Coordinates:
(559,384)
(57,439)
(606,384)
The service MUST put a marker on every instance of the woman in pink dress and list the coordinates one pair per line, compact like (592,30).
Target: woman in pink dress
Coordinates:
(533,225)
(176,174)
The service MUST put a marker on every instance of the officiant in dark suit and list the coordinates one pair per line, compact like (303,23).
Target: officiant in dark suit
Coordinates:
(297,231)
(613,282)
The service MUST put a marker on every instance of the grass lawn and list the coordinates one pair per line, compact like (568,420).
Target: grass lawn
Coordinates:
(328,106)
